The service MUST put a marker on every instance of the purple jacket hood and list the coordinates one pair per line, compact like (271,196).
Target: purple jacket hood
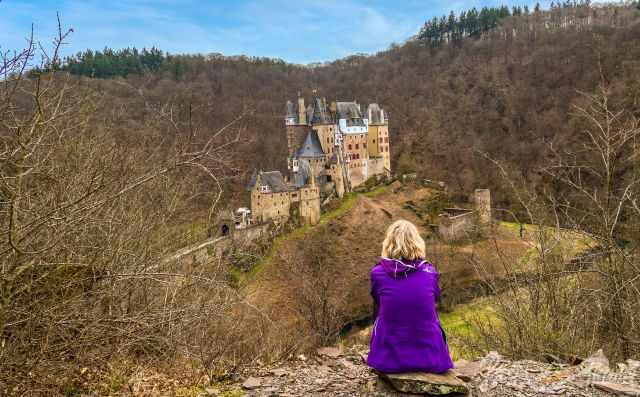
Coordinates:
(402,268)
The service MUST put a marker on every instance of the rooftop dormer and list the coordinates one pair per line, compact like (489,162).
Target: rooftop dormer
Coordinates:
(350,118)
(376,114)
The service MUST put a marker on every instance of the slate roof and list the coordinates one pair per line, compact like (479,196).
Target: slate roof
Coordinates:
(301,178)
(348,110)
(311,146)
(320,113)
(273,179)
(374,110)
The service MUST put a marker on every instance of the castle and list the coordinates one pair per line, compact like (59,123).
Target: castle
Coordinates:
(332,149)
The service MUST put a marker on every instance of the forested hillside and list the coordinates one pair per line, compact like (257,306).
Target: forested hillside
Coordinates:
(495,81)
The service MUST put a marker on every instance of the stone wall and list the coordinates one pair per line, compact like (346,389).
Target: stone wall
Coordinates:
(378,143)
(326,134)
(455,223)
(251,233)
(355,147)
(317,165)
(357,172)
(266,206)
(210,249)
(336,174)
(310,204)
(376,166)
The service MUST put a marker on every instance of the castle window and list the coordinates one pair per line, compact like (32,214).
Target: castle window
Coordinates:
(364,145)
(357,146)
(264,188)
(349,146)
(374,141)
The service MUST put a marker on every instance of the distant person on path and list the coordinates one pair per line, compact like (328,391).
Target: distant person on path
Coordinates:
(406,335)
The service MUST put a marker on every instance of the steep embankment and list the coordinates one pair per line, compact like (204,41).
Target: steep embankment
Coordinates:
(328,264)
(355,231)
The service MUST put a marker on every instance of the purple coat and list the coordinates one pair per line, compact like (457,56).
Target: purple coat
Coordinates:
(406,335)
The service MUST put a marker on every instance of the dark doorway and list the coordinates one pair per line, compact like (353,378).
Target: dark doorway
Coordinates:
(225,230)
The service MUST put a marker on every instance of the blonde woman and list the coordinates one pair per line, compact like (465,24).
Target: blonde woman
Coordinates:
(406,335)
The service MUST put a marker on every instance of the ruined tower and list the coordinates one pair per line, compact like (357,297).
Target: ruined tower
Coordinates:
(482,199)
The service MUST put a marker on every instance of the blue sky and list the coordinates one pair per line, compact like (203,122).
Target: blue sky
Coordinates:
(300,31)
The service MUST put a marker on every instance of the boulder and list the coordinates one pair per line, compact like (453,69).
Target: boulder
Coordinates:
(251,383)
(430,384)
(279,372)
(618,389)
(598,358)
(467,371)
(212,391)
(596,363)
(331,352)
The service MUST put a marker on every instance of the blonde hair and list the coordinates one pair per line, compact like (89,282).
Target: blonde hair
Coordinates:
(403,241)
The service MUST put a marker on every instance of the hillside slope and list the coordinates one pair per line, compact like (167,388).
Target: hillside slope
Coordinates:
(327,266)
(508,93)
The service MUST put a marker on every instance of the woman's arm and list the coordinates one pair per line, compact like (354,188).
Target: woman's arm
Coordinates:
(437,291)
(374,296)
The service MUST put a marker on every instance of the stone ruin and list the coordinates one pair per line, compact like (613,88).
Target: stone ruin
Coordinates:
(456,223)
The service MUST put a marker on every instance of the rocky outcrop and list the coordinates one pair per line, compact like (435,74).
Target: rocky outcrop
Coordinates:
(342,372)
(430,384)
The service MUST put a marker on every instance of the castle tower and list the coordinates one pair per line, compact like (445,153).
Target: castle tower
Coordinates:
(290,117)
(482,199)
(379,135)
(296,127)
(302,111)
(310,202)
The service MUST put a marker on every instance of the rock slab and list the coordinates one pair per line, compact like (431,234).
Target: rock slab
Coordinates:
(467,371)
(332,352)
(251,383)
(430,384)
(618,389)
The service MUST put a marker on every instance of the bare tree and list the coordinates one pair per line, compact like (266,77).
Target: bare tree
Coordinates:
(580,289)
(316,275)
(85,221)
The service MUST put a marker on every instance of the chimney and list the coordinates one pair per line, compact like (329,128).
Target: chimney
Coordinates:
(302,111)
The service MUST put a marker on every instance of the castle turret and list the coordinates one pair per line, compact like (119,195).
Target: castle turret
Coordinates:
(290,117)
(302,111)
(482,198)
